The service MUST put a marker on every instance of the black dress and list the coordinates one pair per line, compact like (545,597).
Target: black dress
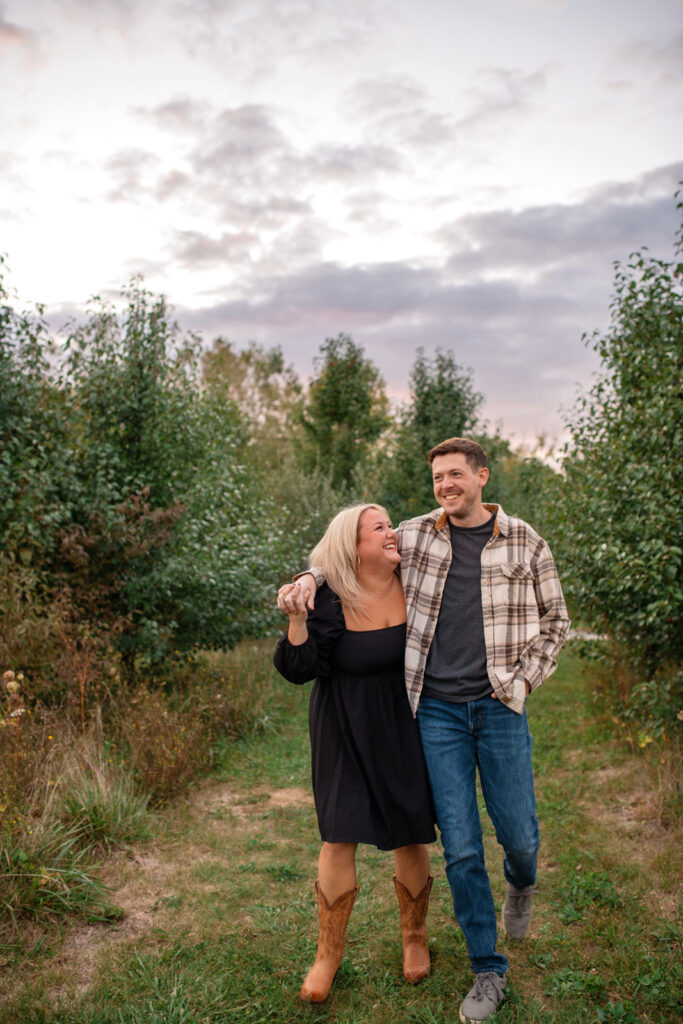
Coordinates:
(369,775)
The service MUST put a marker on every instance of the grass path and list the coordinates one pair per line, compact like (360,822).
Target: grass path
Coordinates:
(219,913)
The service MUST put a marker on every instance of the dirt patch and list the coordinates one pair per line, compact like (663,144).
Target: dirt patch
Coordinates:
(137,883)
(246,805)
(225,795)
(143,885)
(294,796)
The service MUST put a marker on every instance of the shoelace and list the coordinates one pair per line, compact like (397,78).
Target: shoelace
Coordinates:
(520,898)
(485,983)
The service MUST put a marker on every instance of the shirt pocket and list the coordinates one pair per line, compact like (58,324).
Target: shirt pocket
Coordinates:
(517,571)
(517,582)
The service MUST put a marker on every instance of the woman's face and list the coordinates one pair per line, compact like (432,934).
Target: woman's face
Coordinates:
(376,540)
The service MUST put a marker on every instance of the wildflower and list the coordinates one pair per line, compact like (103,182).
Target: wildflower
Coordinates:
(679,716)
(12,686)
(17,712)
(8,676)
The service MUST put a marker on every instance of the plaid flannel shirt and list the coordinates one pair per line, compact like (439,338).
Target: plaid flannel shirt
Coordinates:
(525,617)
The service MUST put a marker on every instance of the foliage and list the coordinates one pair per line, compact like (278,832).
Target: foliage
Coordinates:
(344,412)
(167,536)
(521,481)
(621,543)
(102,809)
(264,388)
(587,889)
(165,746)
(652,708)
(66,798)
(296,504)
(131,517)
(36,475)
(443,403)
(44,874)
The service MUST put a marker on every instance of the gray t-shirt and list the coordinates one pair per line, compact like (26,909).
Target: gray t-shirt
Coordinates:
(456,664)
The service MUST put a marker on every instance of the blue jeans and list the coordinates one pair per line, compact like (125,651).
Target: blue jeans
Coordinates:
(457,739)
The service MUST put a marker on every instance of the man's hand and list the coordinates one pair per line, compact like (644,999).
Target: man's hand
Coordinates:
(295,598)
(526,686)
(292,599)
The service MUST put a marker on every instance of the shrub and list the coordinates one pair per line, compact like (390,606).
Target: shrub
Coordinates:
(621,545)
(164,746)
(101,807)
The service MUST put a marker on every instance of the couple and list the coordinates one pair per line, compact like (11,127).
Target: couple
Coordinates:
(427,670)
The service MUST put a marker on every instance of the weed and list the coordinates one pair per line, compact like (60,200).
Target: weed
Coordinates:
(587,888)
(284,872)
(104,810)
(44,874)
(569,982)
(616,1013)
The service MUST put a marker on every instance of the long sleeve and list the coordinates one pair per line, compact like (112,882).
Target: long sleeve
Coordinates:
(541,657)
(311,660)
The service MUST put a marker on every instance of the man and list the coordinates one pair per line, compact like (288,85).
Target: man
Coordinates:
(485,621)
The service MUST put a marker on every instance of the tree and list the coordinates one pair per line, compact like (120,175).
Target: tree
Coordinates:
(264,388)
(36,476)
(344,412)
(170,532)
(521,480)
(443,404)
(621,540)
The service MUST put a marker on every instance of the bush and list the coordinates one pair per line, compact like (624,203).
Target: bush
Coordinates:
(164,746)
(620,541)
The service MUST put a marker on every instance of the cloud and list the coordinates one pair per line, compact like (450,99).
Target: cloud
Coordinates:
(512,298)
(128,167)
(182,113)
(532,241)
(253,35)
(193,249)
(241,166)
(12,34)
(500,92)
(397,111)
(659,56)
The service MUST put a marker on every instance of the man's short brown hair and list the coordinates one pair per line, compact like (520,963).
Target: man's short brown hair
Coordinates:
(473,452)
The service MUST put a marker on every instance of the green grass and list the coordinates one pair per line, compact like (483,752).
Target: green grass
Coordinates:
(104,810)
(232,926)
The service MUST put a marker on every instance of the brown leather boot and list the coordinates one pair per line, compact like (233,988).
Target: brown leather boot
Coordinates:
(414,929)
(331,931)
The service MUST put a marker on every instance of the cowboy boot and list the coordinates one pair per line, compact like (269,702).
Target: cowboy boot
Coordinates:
(414,929)
(332,921)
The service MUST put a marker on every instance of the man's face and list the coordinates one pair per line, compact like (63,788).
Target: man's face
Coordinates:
(458,487)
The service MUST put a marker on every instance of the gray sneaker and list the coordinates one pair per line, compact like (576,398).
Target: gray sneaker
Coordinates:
(483,998)
(517,911)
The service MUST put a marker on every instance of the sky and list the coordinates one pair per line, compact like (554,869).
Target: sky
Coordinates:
(416,173)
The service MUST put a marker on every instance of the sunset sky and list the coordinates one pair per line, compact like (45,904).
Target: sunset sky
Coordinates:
(433,173)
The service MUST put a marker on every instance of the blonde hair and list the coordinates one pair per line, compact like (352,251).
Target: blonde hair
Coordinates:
(336,554)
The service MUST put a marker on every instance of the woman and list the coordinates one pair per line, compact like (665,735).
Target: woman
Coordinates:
(369,777)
